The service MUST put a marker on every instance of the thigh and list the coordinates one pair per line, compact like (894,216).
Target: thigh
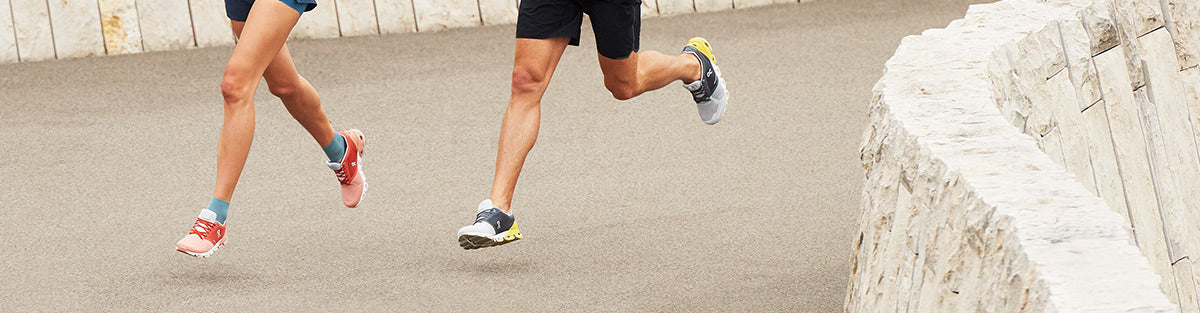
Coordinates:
(617,25)
(545,19)
(262,37)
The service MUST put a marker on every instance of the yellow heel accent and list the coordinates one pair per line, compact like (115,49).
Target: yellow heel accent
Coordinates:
(703,46)
(513,233)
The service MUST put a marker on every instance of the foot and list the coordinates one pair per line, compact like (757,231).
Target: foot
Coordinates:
(708,92)
(349,170)
(206,237)
(492,228)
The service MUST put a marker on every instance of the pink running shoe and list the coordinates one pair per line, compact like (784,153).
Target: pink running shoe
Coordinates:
(349,170)
(205,238)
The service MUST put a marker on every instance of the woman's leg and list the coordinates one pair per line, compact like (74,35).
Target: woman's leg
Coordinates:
(262,37)
(300,98)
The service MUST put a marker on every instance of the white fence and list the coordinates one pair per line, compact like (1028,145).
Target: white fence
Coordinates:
(38,30)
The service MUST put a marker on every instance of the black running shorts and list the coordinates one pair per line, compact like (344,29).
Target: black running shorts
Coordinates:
(617,23)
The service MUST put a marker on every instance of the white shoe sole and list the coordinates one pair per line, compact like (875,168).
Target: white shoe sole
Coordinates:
(476,241)
(206,253)
(719,98)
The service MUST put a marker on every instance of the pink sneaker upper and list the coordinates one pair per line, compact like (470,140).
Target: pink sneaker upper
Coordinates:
(349,170)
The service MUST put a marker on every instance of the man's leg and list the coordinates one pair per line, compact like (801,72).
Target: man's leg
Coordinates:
(534,63)
(645,71)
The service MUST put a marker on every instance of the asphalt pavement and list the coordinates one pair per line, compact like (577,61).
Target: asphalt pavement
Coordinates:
(625,205)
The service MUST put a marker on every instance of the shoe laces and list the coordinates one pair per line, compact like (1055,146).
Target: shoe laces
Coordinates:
(484,215)
(341,176)
(201,228)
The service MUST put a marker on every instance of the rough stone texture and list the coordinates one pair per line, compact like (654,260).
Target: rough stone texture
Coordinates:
(1078,51)
(672,7)
(713,5)
(1142,16)
(357,17)
(119,21)
(1173,152)
(1125,125)
(166,25)
(434,15)
(35,40)
(750,3)
(395,16)
(77,30)
(321,22)
(210,23)
(8,40)
(1185,29)
(962,211)
(498,12)
(1104,160)
(649,8)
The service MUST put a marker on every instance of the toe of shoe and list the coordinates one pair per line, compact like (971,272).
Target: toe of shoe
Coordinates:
(193,243)
(352,194)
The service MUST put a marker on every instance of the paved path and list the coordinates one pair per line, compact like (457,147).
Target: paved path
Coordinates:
(625,206)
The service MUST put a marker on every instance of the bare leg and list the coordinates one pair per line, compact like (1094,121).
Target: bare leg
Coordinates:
(646,71)
(534,64)
(300,98)
(262,36)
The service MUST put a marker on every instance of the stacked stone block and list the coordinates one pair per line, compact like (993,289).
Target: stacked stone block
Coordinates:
(37,30)
(1036,156)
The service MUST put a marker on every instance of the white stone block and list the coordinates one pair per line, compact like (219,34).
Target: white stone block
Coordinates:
(1191,80)
(1141,16)
(750,3)
(1184,26)
(1104,160)
(1098,21)
(119,20)
(1078,52)
(210,23)
(1125,125)
(498,12)
(672,7)
(31,20)
(1071,128)
(321,22)
(8,40)
(1185,278)
(166,25)
(357,17)
(76,25)
(395,16)
(649,8)
(713,5)
(1172,146)
(434,15)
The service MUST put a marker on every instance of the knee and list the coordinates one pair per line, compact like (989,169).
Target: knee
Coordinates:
(235,90)
(622,90)
(526,80)
(284,90)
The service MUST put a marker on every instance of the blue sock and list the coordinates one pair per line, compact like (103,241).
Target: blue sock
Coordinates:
(221,207)
(336,149)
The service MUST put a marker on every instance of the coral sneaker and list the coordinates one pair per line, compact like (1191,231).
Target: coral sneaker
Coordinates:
(206,237)
(349,170)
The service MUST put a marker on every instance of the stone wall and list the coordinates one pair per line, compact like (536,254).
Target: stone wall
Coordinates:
(38,30)
(1083,206)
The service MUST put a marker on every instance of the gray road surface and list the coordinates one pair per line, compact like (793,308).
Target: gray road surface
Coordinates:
(625,206)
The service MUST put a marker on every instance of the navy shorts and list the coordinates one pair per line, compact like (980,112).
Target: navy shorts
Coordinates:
(237,10)
(616,23)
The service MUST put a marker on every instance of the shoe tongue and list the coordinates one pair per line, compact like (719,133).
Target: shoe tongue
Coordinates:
(208,215)
(334,165)
(486,204)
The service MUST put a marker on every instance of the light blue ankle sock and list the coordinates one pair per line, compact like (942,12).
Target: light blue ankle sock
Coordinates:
(336,149)
(221,207)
